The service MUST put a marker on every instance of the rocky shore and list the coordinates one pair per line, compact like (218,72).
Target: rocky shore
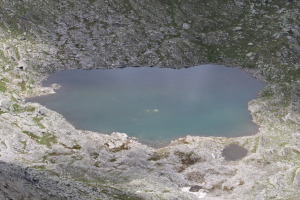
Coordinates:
(44,157)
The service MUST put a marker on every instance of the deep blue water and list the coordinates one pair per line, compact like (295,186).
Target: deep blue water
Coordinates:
(156,104)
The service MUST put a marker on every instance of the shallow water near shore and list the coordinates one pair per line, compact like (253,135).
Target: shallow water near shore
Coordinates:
(156,104)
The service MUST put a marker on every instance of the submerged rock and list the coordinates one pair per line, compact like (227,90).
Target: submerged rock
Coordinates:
(234,152)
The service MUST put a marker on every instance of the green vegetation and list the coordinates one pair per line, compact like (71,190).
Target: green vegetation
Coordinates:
(40,167)
(25,145)
(23,86)
(38,120)
(76,146)
(274,57)
(3,143)
(75,158)
(30,109)
(108,190)
(17,108)
(187,159)
(95,155)
(32,135)
(256,144)
(120,148)
(166,191)
(47,139)
(172,10)
(3,87)
(294,174)
(266,93)
(160,154)
(17,54)
(4,59)
(97,164)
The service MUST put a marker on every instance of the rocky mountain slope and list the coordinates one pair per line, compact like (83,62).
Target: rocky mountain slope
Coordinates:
(45,157)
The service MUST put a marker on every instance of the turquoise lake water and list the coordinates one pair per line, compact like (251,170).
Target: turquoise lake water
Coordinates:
(156,104)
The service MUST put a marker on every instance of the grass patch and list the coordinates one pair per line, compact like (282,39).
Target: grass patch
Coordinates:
(4,58)
(25,145)
(160,154)
(76,146)
(172,12)
(32,135)
(40,167)
(294,174)
(120,148)
(166,191)
(266,93)
(97,164)
(3,87)
(94,155)
(105,189)
(38,120)
(3,143)
(23,86)
(214,53)
(18,54)
(187,159)
(16,108)
(30,109)
(59,154)
(48,139)
(256,144)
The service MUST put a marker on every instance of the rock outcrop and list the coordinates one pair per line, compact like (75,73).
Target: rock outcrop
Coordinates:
(45,157)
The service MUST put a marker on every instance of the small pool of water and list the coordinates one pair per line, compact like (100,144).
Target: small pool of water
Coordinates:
(156,104)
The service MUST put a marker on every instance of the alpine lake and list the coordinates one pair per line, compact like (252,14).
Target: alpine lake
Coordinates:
(156,104)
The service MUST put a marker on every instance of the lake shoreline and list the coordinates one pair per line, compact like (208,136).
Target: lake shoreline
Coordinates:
(189,90)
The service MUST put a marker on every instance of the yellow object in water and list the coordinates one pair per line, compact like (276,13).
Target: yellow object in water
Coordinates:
(155,110)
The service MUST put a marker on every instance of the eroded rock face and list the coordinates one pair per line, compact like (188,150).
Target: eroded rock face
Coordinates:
(41,37)
(23,183)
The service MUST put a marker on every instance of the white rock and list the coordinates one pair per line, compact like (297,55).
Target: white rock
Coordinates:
(43,111)
(55,86)
(249,54)
(186,26)
(16,96)
(17,81)
(199,194)
(237,28)
(119,135)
